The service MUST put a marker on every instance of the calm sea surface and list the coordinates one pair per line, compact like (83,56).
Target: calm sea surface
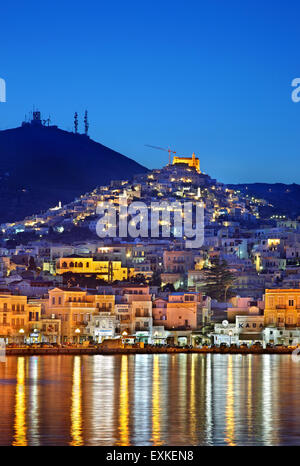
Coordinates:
(183,399)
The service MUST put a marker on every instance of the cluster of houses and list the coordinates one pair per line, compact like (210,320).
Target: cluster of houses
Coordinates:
(151,289)
(73,315)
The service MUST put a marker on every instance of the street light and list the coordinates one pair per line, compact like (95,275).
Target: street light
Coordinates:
(21,332)
(124,335)
(77,331)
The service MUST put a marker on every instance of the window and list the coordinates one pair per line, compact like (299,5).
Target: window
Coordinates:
(53,300)
(291,302)
(59,300)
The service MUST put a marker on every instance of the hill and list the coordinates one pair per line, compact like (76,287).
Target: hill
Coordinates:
(41,165)
(284,198)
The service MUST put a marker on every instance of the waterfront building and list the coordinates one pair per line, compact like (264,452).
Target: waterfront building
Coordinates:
(245,330)
(250,328)
(103,326)
(18,317)
(186,310)
(282,336)
(282,307)
(75,308)
(225,333)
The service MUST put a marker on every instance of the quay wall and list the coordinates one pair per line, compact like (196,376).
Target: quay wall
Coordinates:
(93,351)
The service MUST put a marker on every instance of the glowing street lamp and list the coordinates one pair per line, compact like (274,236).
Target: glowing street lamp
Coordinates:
(21,332)
(77,331)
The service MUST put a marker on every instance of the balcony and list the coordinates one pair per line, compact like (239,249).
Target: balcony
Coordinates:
(83,304)
(280,306)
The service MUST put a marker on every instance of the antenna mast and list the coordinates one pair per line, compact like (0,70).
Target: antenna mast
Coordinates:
(76,122)
(86,123)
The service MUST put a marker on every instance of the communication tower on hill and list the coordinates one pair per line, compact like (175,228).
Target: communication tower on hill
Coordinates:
(86,123)
(76,122)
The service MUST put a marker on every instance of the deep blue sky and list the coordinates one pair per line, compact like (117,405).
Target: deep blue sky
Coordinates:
(211,76)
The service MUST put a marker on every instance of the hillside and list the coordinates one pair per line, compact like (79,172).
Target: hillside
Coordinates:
(41,165)
(285,198)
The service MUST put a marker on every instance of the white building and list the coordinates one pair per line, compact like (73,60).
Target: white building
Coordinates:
(281,336)
(225,333)
(102,326)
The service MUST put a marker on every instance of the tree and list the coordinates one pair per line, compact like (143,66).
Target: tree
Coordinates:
(138,279)
(155,280)
(32,264)
(218,280)
(169,287)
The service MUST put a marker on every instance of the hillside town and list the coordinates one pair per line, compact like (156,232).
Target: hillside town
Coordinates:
(61,284)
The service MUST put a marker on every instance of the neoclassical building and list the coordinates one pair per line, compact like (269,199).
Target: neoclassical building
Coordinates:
(282,307)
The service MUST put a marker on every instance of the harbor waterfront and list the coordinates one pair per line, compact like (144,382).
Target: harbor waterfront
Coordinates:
(73,350)
(150,399)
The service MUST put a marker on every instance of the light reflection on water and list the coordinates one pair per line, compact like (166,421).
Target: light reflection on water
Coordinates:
(183,399)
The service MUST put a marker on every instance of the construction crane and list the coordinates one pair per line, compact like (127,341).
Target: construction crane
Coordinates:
(165,150)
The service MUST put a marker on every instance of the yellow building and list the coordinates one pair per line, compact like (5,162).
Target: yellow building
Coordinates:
(107,270)
(190,161)
(282,307)
(74,307)
(18,318)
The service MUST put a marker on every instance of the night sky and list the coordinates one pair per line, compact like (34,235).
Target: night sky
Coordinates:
(212,77)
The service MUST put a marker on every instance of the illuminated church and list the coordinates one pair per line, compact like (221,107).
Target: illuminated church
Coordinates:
(190,161)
